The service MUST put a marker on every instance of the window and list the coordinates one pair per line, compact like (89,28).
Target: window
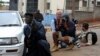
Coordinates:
(92,2)
(13,5)
(9,18)
(84,3)
(98,3)
(48,5)
(16,1)
(32,5)
(76,0)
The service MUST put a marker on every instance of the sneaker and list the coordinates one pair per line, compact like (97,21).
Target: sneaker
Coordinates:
(62,45)
(70,47)
(54,49)
(53,46)
(77,43)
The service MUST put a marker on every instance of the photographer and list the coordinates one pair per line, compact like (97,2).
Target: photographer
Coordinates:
(71,28)
(35,39)
(68,31)
(62,24)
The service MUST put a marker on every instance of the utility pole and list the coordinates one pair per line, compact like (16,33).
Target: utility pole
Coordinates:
(64,6)
(73,8)
(88,5)
(45,6)
(94,9)
(0,4)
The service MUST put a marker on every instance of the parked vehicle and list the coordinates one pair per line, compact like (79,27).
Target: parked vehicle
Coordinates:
(11,34)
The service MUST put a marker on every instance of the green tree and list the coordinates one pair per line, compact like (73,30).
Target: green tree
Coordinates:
(1,3)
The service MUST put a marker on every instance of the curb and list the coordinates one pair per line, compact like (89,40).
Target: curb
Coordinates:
(48,29)
(94,26)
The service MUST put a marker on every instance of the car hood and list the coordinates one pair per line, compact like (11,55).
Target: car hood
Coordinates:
(10,31)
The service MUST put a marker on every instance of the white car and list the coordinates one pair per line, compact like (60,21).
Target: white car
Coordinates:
(11,34)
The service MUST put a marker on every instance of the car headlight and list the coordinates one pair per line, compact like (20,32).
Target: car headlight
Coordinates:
(5,41)
(8,41)
(15,40)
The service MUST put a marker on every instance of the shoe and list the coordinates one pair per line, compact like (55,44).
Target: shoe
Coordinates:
(77,44)
(53,46)
(70,47)
(62,45)
(54,49)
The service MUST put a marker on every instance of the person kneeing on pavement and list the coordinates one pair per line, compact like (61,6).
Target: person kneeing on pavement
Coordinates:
(86,36)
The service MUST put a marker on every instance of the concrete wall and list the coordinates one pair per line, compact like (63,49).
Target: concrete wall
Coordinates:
(56,4)
(24,3)
(97,12)
(82,15)
(85,15)
(42,6)
(4,8)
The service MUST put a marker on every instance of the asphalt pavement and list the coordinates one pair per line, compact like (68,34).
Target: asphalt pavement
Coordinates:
(83,51)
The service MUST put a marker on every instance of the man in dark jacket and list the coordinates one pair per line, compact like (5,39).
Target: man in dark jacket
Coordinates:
(71,25)
(71,31)
(68,30)
(35,39)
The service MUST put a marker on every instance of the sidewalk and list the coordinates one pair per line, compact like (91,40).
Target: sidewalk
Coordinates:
(83,51)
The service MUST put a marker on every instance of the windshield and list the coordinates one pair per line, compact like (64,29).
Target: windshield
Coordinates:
(9,19)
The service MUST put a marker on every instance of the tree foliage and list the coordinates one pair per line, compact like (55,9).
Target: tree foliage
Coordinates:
(1,3)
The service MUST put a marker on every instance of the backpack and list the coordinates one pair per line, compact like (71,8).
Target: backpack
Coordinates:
(94,37)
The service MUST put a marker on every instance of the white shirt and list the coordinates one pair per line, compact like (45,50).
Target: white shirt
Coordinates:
(83,34)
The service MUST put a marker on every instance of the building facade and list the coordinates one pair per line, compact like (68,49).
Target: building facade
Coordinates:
(13,5)
(31,5)
(23,6)
(51,6)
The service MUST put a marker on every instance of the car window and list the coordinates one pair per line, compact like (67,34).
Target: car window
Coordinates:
(9,18)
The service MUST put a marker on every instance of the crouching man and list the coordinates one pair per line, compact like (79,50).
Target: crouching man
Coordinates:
(35,39)
(67,29)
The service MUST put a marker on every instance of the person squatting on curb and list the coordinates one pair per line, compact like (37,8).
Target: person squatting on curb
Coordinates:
(35,39)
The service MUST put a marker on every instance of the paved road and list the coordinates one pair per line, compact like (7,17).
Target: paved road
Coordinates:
(83,51)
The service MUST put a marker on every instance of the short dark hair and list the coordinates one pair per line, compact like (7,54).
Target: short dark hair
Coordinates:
(38,11)
(85,25)
(28,14)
